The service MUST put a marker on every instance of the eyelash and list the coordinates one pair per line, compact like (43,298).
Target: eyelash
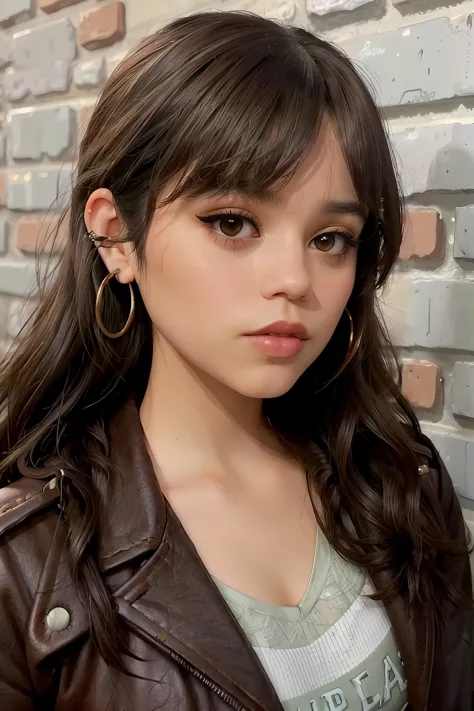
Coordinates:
(209,219)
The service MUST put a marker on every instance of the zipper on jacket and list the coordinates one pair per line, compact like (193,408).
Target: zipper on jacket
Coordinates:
(233,703)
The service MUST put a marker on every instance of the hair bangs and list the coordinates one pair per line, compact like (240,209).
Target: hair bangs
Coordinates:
(257,130)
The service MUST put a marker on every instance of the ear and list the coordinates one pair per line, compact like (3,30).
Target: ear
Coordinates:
(102,217)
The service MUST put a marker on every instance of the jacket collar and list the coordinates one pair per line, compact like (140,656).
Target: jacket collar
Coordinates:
(132,512)
(171,600)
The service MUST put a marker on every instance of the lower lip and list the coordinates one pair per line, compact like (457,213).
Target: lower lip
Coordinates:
(277,346)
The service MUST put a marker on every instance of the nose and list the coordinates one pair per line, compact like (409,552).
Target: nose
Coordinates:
(286,273)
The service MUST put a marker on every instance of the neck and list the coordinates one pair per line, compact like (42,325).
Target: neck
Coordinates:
(193,422)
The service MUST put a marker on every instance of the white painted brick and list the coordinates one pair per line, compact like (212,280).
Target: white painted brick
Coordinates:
(43,80)
(394,303)
(463,389)
(19,311)
(4,54)
(439,157)
(9,9)
(38,189)
(52,42)
(457,453)
(17,278)
(114,61)
(4,232)
(41,59)
(422,62)
(16,84)
(464,233)
(283,10)
(441,314)
(89,74)
(37,132)
(325,7)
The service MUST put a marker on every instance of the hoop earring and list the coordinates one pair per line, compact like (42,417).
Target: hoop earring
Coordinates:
(353,347)
(98,304)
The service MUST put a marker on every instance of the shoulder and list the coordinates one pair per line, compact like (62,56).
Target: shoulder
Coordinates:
(438,485)
(23,499)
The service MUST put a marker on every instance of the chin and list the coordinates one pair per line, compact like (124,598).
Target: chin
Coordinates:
(272,384)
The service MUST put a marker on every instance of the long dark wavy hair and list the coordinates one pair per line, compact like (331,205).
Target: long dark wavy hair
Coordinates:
(226,101)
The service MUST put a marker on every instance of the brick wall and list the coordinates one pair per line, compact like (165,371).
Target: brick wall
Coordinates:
(419,57)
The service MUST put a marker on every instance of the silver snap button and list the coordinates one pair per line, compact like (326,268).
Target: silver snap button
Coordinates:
(57,619)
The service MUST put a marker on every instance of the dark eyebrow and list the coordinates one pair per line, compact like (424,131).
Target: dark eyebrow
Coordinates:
(343,207)
(331,207)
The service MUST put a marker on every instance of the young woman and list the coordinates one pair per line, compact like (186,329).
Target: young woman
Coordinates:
(213,493)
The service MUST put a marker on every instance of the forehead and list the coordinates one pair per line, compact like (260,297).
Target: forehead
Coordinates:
(323,174)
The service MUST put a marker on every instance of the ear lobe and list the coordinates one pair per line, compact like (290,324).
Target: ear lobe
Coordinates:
(116,257)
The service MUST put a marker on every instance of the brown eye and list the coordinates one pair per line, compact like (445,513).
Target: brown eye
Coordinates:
(231,226)
(333,242)
(325,242)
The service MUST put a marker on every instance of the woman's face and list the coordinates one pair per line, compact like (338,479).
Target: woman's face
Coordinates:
(220,268)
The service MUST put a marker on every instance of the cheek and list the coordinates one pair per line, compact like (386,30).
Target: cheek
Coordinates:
(333,288)
(184,283)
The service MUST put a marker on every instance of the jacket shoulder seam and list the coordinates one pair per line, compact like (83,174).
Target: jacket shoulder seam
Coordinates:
(23,498)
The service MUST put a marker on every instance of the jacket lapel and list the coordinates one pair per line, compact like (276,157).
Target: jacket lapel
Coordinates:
(171,599)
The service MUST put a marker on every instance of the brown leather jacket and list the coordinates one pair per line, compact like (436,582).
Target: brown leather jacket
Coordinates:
(195,655)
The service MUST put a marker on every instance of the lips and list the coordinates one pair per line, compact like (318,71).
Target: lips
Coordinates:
(283,328)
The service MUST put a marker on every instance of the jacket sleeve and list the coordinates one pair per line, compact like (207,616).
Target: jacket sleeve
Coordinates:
(21,559)
(461,662)
(16,693)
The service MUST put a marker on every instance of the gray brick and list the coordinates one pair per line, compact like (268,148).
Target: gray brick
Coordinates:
(37,132)
(419,63)
(39,189)
(4,232)
(42,60)
(9,9)
(464,233)
(463,389)
(89,74)
(325,7)
(437,157)
(19,312)
(16,84)
(42,80)
(441,314)
(17,278)
(458,455)
(4,55)
(52,42)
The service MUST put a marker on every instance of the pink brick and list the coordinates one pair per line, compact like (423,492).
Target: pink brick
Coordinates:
(421,383)
(53,5)
(423,235)
(36,233)
(102,26)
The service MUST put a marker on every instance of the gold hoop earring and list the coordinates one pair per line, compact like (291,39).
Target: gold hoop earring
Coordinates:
(353,346)
(98,304)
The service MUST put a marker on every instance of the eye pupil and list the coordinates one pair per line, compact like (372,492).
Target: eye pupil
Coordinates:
(326,242)
(231,226)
